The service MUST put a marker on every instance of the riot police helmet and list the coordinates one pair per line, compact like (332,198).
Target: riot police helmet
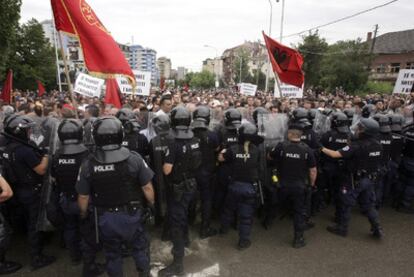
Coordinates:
(259,111)
(312,115)
(108,135)
(201,117)
(248,132)
(70,133)
(299,113)
(350,115)
(397,121)
(125,115)
(384,122)
(232,119)
(368,127)
(161,124)
(19,127)
(180,123)
(339,122)
(367,110)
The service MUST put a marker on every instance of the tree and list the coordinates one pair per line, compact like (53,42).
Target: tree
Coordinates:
(313,48)
(34,58)
(345,64)
(9,23)
(203,79)
(241,61)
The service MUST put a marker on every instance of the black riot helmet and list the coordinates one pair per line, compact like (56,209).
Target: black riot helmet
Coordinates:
(368,127)
(350,115)
(384,123)
(19,127)
(339,122)
(312,115)
(70,133)
(232,119)
(108,134)
(299,113)
(397,121)
(201,117)
(248,132)
(258,112)
(367,110)
(161,124)
(124,115)
(180,122)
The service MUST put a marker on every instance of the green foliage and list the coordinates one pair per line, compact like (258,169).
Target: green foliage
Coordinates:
(312,49)
(9,23)
(34,58)
(202,79)
(378,87)
(241,61)
(345,65)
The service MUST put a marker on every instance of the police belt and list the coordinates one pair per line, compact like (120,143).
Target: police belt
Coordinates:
(70,196)
(373,176)
(128,208)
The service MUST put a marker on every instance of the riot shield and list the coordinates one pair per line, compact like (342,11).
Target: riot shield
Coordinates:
(321,123)
(273,128)
(43,224)
(355,122)
(216,119)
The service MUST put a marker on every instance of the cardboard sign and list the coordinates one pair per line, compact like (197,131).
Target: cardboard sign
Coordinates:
(405,82)
(248,89)
(143,83)
(88,86)
(288,91)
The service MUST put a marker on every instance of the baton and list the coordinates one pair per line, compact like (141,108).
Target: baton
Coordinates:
(95,211)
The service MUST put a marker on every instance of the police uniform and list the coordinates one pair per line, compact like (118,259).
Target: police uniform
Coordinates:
(114,178)
(209,143)
(20,159)
(406,191)
(244,161)
(364,154)
(294,159)
(185,157)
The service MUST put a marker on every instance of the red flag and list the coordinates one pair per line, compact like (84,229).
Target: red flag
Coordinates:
(186,88)
(112,93)
(40,88)
(103,58)
(162,83)
(286,62)
(7,87)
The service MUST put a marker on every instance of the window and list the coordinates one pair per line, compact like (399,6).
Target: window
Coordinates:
(395,67)
(380,68)
(410,65)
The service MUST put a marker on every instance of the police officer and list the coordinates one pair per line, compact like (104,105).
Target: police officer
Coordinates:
(350,115)
(209,144)
(24,167)
(180,165)
(297,169)
(334,171)
(406,192)
(65,169)
(385,138)
(133,140)
(244,161)
(227,136)
(364,154)
(118,181)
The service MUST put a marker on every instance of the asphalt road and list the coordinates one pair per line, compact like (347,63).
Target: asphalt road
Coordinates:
(271,253)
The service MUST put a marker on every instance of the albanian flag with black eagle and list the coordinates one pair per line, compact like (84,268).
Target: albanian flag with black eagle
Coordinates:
(286,62)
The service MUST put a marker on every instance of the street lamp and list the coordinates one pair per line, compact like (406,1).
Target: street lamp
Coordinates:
(214,64)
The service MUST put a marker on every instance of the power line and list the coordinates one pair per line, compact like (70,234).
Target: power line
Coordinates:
(341,19)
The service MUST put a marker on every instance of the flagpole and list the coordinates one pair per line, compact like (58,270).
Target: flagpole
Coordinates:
(65,63)
(56,54)
(268,58)
(277,80)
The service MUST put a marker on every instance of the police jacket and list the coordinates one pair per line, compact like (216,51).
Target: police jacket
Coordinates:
(244,161)
(209,144)
(334,140)
(293,161)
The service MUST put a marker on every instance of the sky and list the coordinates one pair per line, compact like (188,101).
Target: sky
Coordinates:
(180,29)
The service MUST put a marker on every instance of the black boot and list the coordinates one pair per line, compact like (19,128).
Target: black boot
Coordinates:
(8,267)
(93,270)
(309,224)
(337,230)
(377,232)
(206,232)
(299,240)
(243,244)
(174,269)
(41,260)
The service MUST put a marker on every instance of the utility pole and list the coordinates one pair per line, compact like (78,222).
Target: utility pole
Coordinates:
(374,38)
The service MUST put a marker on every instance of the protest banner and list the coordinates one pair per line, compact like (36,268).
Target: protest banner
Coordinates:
(288,91)
(143,83)
(405,82)
(88,86)
(248,89)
